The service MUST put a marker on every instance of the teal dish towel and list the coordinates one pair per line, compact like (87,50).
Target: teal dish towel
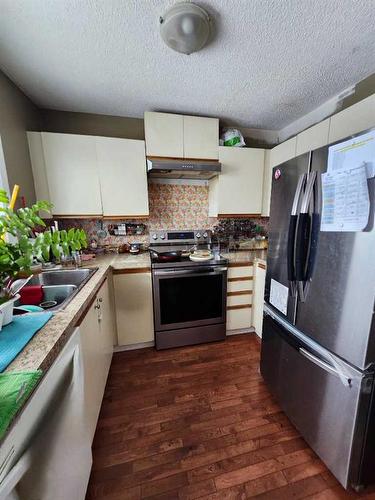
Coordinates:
(17,334)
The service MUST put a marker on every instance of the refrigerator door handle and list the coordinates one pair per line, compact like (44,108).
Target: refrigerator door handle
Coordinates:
(292,232)
(326,366)
(304,240)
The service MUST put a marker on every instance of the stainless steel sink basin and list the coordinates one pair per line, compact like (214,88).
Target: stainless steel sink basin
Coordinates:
(62,277)
(57,294)
(61,286)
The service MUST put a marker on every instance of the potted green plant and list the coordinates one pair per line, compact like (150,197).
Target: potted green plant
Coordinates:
(21,246)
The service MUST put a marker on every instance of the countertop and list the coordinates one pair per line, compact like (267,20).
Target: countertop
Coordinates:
(245,257)
(45,346)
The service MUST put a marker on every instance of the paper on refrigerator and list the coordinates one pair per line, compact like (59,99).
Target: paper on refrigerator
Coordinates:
(279,296)
(353,153)
(346,203)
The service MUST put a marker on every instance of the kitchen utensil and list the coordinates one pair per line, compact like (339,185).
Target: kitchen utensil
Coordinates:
(17,285)
(47,304)
(134,248)
(31,295)
(101,232)
(166,256)
(197,258)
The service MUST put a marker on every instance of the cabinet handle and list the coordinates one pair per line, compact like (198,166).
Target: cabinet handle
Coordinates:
(97,306)
(100,300)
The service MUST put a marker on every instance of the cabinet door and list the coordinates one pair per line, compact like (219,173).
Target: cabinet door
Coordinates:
(92,366)
(164,134)
(134,308)
(201,137)
(241,181)
(283,152)
(39,169)
(107,325)
(313,138)
(123,177)
(275,156)
(71,169)
(360,116)
(267,184)
(258,296)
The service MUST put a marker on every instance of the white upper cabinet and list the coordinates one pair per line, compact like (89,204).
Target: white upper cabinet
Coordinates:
(283,152)
(239,186)
(123,177)
(313,138)
(201,137)
(178,136)
(85,175)
(360,116)
(39,169)
(72,175)
(164,134)
(277,155)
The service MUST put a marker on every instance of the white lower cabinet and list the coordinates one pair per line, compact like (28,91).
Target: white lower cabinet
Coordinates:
(97,334)
(239,297)
(134,307)
(258,298)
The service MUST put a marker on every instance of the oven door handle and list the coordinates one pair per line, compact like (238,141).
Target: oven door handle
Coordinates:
(187,272)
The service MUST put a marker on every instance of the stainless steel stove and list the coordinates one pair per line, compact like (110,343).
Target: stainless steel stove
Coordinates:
(189,297)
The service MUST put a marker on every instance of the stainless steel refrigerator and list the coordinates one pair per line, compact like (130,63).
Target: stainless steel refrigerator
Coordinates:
(318,348)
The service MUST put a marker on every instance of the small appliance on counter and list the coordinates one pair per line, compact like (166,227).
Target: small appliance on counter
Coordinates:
(189,293)
(134,248)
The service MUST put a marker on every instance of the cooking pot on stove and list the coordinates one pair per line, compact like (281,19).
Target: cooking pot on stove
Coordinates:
(166,256)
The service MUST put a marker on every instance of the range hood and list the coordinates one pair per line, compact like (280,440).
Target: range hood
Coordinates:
(168,168)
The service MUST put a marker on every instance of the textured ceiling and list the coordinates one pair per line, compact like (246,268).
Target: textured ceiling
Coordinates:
(271,62)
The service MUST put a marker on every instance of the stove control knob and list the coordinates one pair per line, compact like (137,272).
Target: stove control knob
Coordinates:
(162,236)
(198,235)
(154,236)
(205,235)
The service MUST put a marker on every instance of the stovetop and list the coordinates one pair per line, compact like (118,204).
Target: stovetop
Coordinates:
(186,262)
(182,240)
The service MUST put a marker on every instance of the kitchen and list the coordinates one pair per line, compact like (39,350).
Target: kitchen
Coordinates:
(192,235)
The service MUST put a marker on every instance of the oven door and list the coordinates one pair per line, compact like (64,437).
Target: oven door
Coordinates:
(186,298)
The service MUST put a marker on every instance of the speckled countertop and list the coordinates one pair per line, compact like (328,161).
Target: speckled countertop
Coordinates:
(45,346)
(245,256)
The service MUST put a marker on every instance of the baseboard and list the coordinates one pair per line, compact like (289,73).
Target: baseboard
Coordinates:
(258,337)
(133,347)
(144,345)
(240,331)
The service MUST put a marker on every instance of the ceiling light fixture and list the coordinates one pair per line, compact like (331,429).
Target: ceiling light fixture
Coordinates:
(185,27)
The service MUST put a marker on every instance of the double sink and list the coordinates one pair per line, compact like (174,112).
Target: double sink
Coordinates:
(62,285)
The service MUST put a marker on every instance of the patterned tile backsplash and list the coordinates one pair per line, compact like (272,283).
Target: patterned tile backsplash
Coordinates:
(171,207)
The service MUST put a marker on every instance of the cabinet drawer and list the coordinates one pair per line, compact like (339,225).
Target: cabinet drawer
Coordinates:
(239,300)
(239,318)
(240,286)
(240,271)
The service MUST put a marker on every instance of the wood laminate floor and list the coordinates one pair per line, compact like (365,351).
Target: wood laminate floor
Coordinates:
(198,422)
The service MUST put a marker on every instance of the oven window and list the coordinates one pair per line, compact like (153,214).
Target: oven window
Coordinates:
(191,298)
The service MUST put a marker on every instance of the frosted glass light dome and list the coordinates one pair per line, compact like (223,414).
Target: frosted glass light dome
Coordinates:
(185,27)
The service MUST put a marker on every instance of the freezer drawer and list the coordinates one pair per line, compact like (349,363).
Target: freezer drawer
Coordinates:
(329,414)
